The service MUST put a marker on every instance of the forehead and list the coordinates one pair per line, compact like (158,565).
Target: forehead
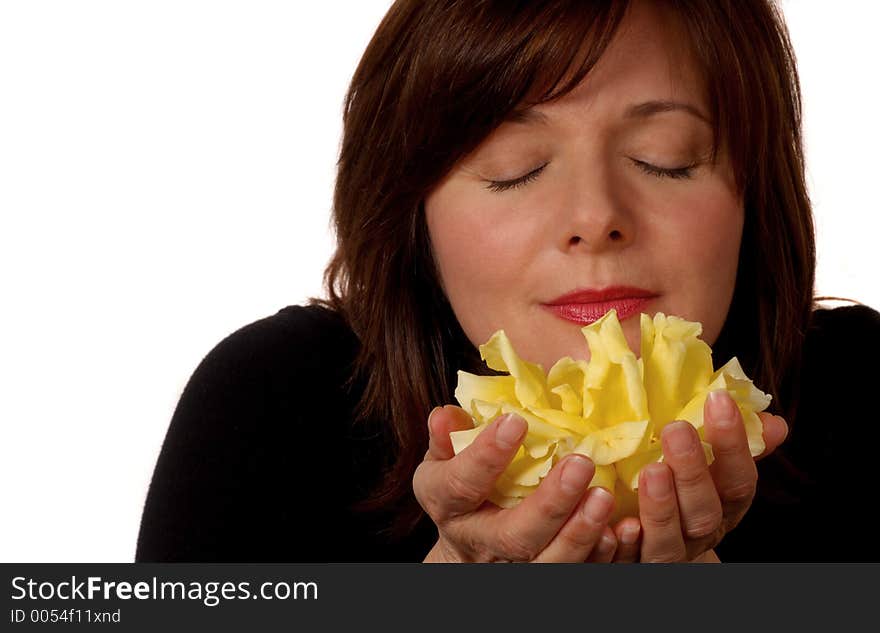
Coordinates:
(648,59)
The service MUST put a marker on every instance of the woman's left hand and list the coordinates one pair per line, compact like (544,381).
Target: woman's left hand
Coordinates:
(685,506)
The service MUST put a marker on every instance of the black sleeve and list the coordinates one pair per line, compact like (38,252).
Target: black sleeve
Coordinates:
(235,481)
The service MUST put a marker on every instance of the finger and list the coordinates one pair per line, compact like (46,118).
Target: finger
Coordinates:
(698,502)
(459,485)
(775,432)
(734,470)
(662,538)
(627,532)
(585,534)
(524,531)
(441,422)
(605,549)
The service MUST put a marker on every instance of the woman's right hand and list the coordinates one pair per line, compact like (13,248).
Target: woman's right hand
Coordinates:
(562,521)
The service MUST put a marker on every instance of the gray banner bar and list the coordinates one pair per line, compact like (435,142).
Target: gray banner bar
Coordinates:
(412,597)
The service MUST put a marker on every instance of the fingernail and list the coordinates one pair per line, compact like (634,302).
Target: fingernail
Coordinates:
(722,408)
(657,483)
(430,416)
(630,534)
(680,439)
(599,505)
(575,474)
(511,428)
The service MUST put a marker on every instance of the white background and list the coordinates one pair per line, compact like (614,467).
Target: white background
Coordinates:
(166,170)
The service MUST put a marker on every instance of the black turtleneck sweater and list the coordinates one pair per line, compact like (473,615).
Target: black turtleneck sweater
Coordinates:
(259,463)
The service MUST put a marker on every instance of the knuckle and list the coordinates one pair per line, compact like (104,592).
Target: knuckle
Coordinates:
(485,458)
(573,541)
(580,534)
(704,526)
(491,459)
(553,509)
(740,493)
(515,546)
(461,490)
(731,450)
(691,476)
(662,519)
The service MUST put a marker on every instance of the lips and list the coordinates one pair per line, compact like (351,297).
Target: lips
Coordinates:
(586,305)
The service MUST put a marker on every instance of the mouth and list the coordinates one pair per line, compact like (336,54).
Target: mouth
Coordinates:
(585,306)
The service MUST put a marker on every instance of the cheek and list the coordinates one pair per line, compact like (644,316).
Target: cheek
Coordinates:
(702,228)
(708,247)
(484,252)
(480,251)
(704,256)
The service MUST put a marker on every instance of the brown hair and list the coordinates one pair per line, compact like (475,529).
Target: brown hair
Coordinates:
(435,80)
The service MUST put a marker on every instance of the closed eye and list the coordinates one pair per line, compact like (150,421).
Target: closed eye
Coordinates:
(504,185)
(648,168)
(663,172)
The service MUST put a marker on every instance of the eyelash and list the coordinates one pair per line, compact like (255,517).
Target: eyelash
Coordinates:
(504,185)
(659,172)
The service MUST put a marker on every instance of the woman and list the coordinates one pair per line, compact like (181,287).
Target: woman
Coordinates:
(497,156)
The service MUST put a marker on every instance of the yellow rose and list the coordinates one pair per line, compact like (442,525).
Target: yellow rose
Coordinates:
(611,408)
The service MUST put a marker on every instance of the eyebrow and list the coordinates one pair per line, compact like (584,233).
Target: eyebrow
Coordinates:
(636,111)
(649,108)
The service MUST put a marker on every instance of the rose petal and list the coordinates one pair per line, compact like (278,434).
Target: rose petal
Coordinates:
(604,476)
(626,503)
(614,443)
(614,390)
(485,411)
(628,469)
(530,384)
(525,471)
(486,388)
(566,379)
(676,364)
(462,439)
(574,423)
(541,435)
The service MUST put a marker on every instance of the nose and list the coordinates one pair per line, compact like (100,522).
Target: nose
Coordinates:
(613,236)
(597,217)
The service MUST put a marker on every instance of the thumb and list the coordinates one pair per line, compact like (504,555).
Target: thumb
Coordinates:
(441,422)
(775,432)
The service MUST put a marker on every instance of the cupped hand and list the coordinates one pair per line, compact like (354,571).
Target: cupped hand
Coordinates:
(562,521)
(685,506)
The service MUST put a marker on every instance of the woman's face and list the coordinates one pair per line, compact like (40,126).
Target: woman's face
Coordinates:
(589,215)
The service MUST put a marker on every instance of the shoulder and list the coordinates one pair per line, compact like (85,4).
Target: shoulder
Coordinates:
(836,417)
(840,347)
(300,334)
(838,356)
(237,477)
(300,350)
(858,324)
